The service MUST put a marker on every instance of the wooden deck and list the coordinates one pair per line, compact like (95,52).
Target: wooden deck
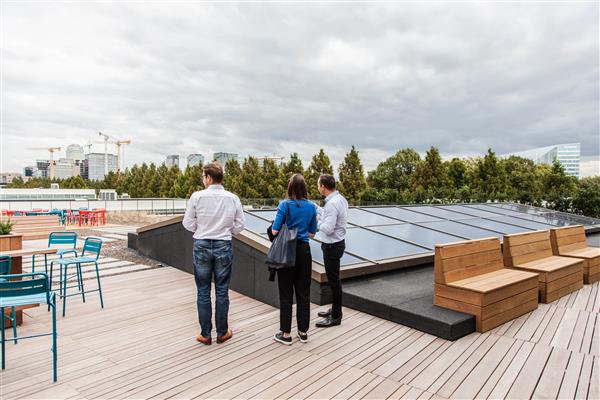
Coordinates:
(142,346)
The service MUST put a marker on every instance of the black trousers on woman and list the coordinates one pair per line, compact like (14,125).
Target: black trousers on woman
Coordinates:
(295,279)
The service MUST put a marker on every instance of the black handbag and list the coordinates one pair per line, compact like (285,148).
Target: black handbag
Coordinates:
(282,253)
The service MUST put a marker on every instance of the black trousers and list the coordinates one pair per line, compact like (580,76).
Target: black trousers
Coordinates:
(295,279)
(332,254)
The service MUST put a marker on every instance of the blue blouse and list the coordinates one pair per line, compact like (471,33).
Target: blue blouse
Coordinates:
(302,216)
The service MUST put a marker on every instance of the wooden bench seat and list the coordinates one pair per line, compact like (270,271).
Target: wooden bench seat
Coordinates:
(470,277)
(532,252)
(571,242)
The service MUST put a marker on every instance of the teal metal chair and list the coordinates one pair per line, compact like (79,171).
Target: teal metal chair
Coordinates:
(89,255)
(5,268)
(28,289)
(58,238)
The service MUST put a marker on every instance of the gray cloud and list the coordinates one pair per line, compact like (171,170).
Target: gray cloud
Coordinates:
(275,78)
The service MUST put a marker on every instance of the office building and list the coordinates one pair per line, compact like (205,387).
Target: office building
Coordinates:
(195,159)
(278,160)
(29,170)
(64,168)
(94,166)
(41,170)
(75,152)
(222,158)
(172,160)
(6,178)
(569,155)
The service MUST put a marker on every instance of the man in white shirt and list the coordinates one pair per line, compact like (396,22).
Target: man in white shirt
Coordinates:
(214,215)
(332,234)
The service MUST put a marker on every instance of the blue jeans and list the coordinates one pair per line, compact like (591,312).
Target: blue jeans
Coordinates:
(212,258)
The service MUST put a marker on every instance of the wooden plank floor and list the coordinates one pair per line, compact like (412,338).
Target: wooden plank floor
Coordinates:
(142,346)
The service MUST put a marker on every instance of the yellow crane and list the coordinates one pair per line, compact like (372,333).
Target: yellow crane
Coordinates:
(50,149)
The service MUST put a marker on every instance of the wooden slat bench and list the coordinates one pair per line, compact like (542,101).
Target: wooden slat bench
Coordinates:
(532,251)
(36,226)
(570,241)
(470,277)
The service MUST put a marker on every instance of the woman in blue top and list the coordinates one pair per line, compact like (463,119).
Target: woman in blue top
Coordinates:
(301,215)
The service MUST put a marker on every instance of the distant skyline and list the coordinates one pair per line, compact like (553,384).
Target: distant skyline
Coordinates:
(276,78)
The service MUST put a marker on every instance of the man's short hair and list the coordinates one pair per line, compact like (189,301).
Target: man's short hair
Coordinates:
(328,181)
(214,170)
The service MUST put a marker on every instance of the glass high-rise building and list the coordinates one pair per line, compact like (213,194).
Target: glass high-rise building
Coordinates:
(195,159)
(75,152)
(568,154)
(93,165)
(222,158)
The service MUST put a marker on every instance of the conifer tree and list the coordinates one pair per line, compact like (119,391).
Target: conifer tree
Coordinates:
(352,178)
(319,165)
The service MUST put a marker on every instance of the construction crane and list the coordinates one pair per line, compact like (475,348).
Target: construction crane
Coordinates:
(50,149)
(118,143)
(121,156)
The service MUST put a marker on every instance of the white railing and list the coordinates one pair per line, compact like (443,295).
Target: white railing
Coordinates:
(166,206)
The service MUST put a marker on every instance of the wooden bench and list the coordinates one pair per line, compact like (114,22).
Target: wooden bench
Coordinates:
(36,226)
(470,277)
(570,241)
(532,251)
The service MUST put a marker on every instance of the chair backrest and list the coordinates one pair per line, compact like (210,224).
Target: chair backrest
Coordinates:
(5,265)
(62,238)
(16,285)
(461,260)
(568,239)
(92,245)
(521,248)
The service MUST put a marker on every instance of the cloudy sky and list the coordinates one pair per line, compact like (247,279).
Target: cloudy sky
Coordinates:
(274,78)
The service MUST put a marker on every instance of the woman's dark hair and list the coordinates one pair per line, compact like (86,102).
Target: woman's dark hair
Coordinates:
(214,170)
(297,188)
(328,181)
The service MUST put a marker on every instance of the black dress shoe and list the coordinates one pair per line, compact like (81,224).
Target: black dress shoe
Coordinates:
(327,322)
(324,314)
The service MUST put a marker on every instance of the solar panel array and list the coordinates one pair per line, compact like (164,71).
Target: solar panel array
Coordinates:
(376,234)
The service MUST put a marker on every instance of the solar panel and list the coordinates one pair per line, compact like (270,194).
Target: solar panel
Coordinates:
(571,219)
(466,231)
(317,255)
(515,207)
(364,218)
(255,224)
(438,212)
(268,214)
(417,234)
(522,222)
(374,246)
(403,214)
(469,210)
(495,226)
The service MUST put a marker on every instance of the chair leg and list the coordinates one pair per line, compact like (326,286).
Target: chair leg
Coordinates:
(14,323)
(50,279)
(99,286)
(54,348)
(2,327)
(64,290)
(46,263)
(80,281)
(33,263)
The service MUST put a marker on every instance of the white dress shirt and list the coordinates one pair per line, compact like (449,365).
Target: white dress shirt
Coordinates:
(214,213)
(334,218)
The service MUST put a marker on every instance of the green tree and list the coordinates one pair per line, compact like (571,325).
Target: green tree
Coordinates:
(490,178)
(352,177)
(394,176)
(319,165)
(273,181)
(524,184)
(431,176)
(233,176)
(558,188)
(251,179)
(587,197)
(294,166)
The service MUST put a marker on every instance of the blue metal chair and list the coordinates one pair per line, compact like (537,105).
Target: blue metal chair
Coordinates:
(92,245)
(25,291)
(58,238)
(5,267)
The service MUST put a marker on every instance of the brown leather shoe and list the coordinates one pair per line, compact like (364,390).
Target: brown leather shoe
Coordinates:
(225,337)
(204,340)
